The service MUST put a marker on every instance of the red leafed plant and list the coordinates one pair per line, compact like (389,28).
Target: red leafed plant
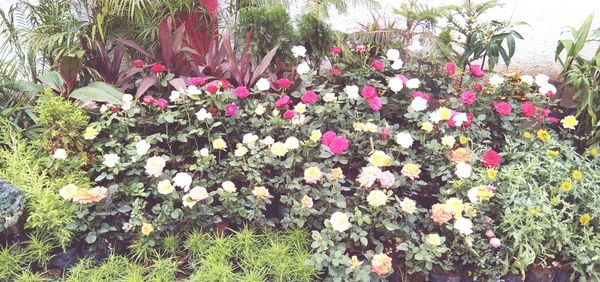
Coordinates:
(242,71)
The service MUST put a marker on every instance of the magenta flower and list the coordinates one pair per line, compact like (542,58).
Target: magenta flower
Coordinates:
(283,102)
(289,114)
(309,97)
(327,137)
(241,92)
(231,110)
(162,103)
(468,98)
(338,145)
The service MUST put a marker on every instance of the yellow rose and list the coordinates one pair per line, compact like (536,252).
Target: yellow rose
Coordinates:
(381,264)
(377,198)
(433,239)
(241,151)
(445,113)
(279,149)
(354,262)
(408,206)
(411,171)
(312,175)
(448,141)
(219,144)
(380,159)
(456,206)
(307,202)
(335,174)
(147,228)
(427,126)
(261,192)
(315,135)
(569,122)
(90,133)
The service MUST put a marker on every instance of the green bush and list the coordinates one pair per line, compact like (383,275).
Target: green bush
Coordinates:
(316,36)
(12,261)
(11,205)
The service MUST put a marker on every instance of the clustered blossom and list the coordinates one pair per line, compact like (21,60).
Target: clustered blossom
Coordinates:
(370,95)
(337,145)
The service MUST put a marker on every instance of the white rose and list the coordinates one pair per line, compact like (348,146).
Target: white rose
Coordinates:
(545,88)
(329,97)
(165,187)
(228,186)
(110,160)
(60,154)
(413,83)
(126,106)
(448,141)
(68,191)
(496,80)
(127,98)
(298,51)
(398,64)
(395,84)
(192,90)
(198,193)
(263,84)
(340,222)
(303,68)
(541,79)
(240,151)
(408,206)
(204,152)
(464,226)
(472,195)
(459,119)
(175,96)
(142,147)
(292,143)
(463,170)
(415,46)
(103,108)
(183,180)
(352,92)
(267,140)
(298,119)
(300,108)
(435,116)
(527,79)
(249,139)
(154,166)
(404,139)
(418,104)
(203,115)
(392,54)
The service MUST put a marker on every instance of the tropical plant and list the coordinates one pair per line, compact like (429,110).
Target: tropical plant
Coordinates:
(583,74)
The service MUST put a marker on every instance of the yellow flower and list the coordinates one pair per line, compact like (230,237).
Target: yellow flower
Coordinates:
(433,239)
(593,151)
(411,171)
(427,126)
(90,133)
(354,262)
(219,144)
(315,135)
(526,134)
(377,198)
(335,174)
(576,174)
(187,201)
(359,126)
(553,153)
(584,219)
(491,173)
(312,175)
(261,192)
(543,135)
(300,108)
(380,159)
(470,210)
(165,187)
(307,202)
(260,110)
(566,186)
(456,206)
(445,113)
(483,193)
(532,211)
(448,141)
(463,139)
(241,151)
(370,127)
(147,228)
(279,149)
(569,122)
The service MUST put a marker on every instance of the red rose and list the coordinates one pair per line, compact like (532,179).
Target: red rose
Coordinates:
(213,110)
(283,102)
(116,110)
(212,88)
(309,97)
(377,65)
(450,69)
(335,71)
(289,114)
(157,68)
(148,100)
(528,109)
(241,92)
(162,103)
(338,145)
(335,50)
(491,159)
(284,83)
(503,108)
(327,137)
(138,63)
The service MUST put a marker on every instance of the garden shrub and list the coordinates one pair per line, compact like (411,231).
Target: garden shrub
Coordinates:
(12,202)
(13,262)
(316,36)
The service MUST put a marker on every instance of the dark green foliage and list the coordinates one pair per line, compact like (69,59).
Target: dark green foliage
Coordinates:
(12,261)
(270,26)
(316,36)
(12,202)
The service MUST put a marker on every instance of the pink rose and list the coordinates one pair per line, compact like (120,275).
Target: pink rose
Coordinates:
(335,50)
(138,63)
(309,97)
(377,65)
(495,243)
(196,81)
(241,92)
(212,88)
(478,87)
(327,137)
(368,92)
(162,103)
(489,234)
(503,108)
(476,71)
(231,110)
(375,103)
(450,69)
(361,48)
(403,78)
(420,94)
(284,83)
(289,114)
(468,98)
(283,102)
(528,109)
(387,179)
(338,145)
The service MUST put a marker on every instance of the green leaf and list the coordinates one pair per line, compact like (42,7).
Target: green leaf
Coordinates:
(100,92)
(91,237)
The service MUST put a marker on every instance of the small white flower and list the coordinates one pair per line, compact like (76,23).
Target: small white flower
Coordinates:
(154,166)
(126,106)
(183,180)
(415,46)
(110,160)
(413,83)
(300,108)
(68,191)
(292,143)
(404,139)
(464,226)
(496,80)
(448,141)
(142,147)
(398,64)
(298,51)
(303,68)
(340,221)
(60,154)
(127,98)
(165,187)
(395,84)
(472,195)
(418,104)
(103,108)
(541,79)
(204,152)
(298,119)
(545,88)
(203,115)
(352,92)
(527,79)
(249,139)
(263,84)
(175,96)
(392,54)
(240,151)
(329,97)
(268,140)
(459,119)
(198,193)
(228,186)
(435,116)
(463,170)
(192,90)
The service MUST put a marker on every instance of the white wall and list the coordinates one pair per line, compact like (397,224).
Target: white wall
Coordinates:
(546,19)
